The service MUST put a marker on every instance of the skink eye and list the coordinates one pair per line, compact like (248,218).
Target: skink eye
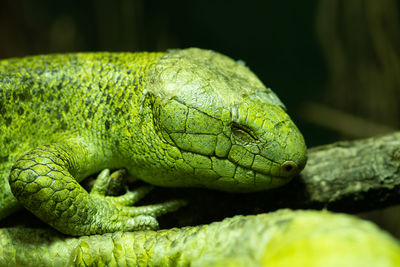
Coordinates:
(242,134)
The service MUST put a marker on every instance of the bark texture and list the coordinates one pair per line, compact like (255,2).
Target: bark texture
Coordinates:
(361,174)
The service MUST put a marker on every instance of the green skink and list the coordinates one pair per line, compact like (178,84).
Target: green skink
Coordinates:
(183,118)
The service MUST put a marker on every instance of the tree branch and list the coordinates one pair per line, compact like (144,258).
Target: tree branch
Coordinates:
(363,173)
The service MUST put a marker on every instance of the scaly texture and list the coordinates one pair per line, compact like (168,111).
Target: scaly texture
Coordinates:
(182,118)
(283,238)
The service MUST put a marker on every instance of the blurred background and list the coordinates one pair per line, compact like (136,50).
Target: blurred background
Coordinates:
(334,63)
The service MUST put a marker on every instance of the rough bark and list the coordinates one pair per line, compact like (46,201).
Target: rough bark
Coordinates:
(359,175)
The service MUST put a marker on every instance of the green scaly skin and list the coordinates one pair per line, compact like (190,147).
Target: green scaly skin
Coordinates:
(182,118)
(280,239)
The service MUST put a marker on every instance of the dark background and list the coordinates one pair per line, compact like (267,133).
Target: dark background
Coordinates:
(334,63)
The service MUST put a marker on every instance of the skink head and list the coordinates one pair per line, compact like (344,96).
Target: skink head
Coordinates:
(224,128)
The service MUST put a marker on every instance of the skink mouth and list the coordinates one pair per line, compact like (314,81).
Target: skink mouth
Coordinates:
(268,181)
(283,173)
(288,169)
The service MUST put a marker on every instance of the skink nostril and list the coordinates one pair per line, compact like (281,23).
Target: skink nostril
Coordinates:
(289,166)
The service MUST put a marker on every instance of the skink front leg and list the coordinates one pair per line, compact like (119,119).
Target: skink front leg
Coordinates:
(44,182)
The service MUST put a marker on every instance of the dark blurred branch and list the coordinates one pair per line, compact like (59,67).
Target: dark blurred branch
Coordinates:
(361,45)
(342,122)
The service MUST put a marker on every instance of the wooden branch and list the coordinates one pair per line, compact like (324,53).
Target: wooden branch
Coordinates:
(358,175)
